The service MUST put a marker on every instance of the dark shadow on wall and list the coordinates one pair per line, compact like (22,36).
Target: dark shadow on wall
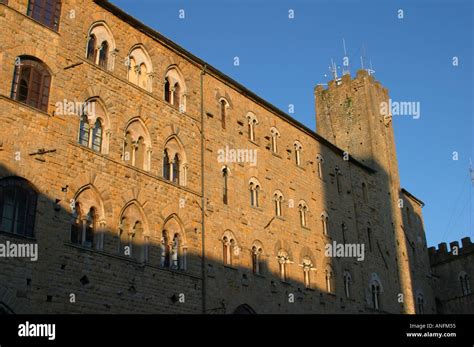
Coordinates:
(71,278)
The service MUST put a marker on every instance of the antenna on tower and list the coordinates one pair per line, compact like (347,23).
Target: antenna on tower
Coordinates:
(345,60)
(370,70)
(333,69)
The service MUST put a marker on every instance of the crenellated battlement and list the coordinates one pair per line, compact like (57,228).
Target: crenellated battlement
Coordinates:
(362,77)
(442,254)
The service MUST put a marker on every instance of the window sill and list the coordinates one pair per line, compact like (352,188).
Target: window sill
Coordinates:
(305,228)
(280,218)
(121,162)
(230,267)
(276,155)
(17,236)
(254,143)
(256,208)
(22,104)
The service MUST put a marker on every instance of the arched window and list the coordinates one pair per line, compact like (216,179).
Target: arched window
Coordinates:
(91,126)
(31,82)
(308,266)
(465,284)
(254,187)
(140,69)
(17,206)
(338,175)
(225,185)
(375,290)
(257,251)
(420,303)
(303,210)
(134,235)
(229,248)
(278,198)
(173,249)
(175,253)
(90,228)
(343,231)
(223,109)
(86,223)
(369,237)
(166,166)
(140,154)
(77,224)
(97,136)
(176,168)
(347,284)
(175,88)
(167,90)
(330,283)
(84,131)
(176,94)
(91,48)
(364,193)
(252,123)
(298,148)
(46,12)
(137,145)
(325,222)
(103,54)
(174,162)
(275,134)
(165,250)
(320,162)
(101,45)
(283,261)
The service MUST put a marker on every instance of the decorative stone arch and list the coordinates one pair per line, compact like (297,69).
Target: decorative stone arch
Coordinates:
(94,110)
(174,148)
(134,230)
(225,96)
(134,212)
(92,180)
(102,33)
(136,134)
(375,284)
(88,196)
(173,243)
(231,247)
(140,67)
(174,87)
(244,309)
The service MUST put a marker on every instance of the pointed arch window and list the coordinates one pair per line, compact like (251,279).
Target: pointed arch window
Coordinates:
(375,290)
(330,284)
(303,210)
(278,199)
(225,188)
(307,268)
(347,284)
(320,162)
(103,54)
(257,252)
(283,261)
(91,48)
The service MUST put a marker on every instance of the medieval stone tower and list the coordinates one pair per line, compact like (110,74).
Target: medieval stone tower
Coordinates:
(354,115)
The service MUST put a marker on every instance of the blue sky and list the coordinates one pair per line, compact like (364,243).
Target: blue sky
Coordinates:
(282,60)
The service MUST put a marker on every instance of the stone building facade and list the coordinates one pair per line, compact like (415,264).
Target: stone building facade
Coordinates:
(153,183)
(452,271)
